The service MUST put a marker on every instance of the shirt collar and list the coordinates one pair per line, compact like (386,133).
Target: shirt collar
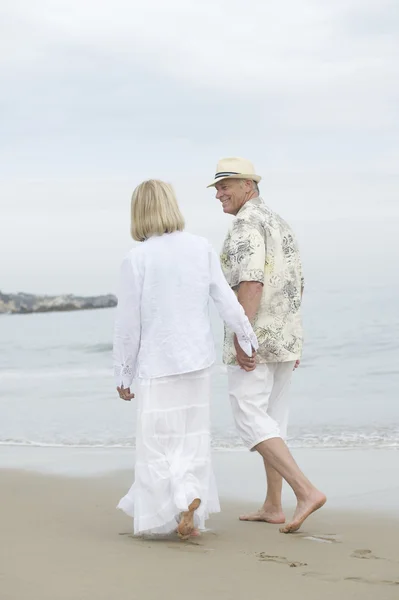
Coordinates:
(253,202)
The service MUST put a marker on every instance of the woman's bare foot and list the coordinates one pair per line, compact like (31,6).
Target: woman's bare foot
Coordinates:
(304,509)
(186,526)
(195,533)
(266,515)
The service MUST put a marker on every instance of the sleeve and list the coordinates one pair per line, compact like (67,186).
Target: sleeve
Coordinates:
(230,310)
(302,276)
(247,254)
(127,328)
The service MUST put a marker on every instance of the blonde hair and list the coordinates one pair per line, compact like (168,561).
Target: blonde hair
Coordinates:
(154,210)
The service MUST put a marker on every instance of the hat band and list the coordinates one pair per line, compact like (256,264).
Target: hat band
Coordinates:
(225,174)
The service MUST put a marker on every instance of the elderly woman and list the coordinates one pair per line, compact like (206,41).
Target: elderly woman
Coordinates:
(163,342)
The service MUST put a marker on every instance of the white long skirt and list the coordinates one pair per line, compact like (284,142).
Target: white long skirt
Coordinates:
(173,453)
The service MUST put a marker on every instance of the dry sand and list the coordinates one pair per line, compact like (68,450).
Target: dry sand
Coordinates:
(62,539)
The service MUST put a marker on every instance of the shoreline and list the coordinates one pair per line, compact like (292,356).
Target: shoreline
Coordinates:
(63,538)
(361,480)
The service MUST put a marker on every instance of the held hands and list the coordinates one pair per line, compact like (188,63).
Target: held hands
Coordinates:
(248,363)
(245,362)
(124,393)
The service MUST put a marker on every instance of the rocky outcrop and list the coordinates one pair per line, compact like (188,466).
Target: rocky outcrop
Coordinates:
(28,303)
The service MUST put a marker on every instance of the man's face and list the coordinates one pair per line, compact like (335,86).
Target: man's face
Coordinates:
(233,193)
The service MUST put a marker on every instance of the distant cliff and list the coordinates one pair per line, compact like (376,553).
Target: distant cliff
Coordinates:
(28,303)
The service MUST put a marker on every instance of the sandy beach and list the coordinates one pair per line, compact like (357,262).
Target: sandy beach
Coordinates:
(62,539)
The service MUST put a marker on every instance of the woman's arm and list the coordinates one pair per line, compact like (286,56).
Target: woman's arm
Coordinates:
(230,310)
(127,325)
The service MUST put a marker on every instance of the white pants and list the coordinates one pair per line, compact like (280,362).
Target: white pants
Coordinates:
(259,400)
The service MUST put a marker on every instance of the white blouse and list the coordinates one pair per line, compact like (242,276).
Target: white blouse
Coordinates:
(162,326)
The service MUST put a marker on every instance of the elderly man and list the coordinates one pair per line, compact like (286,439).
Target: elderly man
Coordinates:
(261,262)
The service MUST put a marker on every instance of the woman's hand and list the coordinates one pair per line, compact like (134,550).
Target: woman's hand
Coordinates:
(124,393)
(245,362)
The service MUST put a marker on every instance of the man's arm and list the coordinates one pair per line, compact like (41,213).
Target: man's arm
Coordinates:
(247,253)
(249,295)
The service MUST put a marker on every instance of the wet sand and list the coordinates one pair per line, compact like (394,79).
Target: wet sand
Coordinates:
(62,539)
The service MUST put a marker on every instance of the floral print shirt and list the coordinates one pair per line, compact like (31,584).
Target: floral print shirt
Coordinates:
(260,246)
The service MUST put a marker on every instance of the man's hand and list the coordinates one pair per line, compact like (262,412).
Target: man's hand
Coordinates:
(245,362)
(124,393)
(249,294)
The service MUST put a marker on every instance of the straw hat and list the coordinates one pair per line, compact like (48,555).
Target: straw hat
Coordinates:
(234,168)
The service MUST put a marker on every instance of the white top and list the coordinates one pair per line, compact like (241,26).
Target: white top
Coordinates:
(162,326)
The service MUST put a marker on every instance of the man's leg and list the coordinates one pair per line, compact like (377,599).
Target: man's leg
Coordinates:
(272,505)
(271,510)
(309,499)
(279,461)
(249,394)
(278,409)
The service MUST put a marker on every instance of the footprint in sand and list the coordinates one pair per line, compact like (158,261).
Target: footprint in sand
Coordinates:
(332,579)
(325,538)
(373,581)
(279,559)
(364,554)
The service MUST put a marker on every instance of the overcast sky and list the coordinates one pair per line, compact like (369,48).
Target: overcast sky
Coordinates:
(98,95)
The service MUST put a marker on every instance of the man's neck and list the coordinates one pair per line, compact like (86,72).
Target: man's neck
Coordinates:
(251,196)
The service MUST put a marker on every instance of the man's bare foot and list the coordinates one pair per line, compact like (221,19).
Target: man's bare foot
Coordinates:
(275,517)
(186,526)
(305,508)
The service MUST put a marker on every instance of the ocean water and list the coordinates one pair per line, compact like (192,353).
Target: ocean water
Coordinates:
(57,389)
